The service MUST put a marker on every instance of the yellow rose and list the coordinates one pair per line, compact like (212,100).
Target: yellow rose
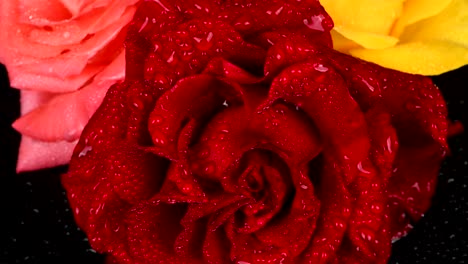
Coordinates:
(426,37)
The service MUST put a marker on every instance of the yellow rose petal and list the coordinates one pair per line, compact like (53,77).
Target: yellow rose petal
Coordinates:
(450,25)
(366,39)
(342,43)
(417,10)
(428,58)
(364,15)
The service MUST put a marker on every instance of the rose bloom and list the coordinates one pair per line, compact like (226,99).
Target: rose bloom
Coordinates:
(424,37)
(63,55)
(240,136)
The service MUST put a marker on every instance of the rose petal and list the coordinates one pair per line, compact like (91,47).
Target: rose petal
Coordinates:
(233,134)
(74,109)
(335,210)
(216,247)
(292,232)
(74,6)
(51,11)
(152,232)
(60,152)
(218,209)
(368,216)
(35,154)
(137,174)
(366,40)
(323,95)
(412,184)
(419,112)
(246,248)
(30,100)
(428,58)
(384,141)
(417,10)
(100,25)
(450,25)
(367,15)
(23,80)
(197,98)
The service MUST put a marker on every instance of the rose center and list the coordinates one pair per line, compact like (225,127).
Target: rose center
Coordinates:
(253,181)
(265,178)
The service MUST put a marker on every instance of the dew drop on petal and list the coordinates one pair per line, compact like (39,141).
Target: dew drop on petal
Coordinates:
(210,168)
(315,22)
(156,120)
(320,67)
(158,138)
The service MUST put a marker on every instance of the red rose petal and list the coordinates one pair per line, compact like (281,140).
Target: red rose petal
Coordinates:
(152,231)
(412,185)
(322,94)
(303,214)
(336,205)
(384,141)
(416,105)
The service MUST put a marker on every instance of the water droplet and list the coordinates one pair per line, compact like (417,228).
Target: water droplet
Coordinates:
(143,25)
(85,150)
(377,207)
(284,80)
(210,168)
(412,105)
(185,46)
(339,223)
(156,120)
(361,169)
(279,10)
(204,152)
(224,128)
(171,58)
(275,122)
(221,136)
(346,212)
(319,67)
(186,188)
(158,138)
(369,86)
(416,186)
(366,234)
(243,23)
(160,78)
(315,22)
(205,44)
(138,104)
(279,55)
(389,144)
(208,24)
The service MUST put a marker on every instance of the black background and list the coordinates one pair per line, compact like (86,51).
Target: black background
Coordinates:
(37,224)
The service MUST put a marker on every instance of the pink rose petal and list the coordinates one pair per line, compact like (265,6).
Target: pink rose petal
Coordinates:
(65,115)
(35,154)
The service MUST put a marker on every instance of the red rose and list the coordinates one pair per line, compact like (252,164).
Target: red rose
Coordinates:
(240,136)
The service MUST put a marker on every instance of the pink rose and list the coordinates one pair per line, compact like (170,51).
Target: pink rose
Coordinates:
(63,55)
